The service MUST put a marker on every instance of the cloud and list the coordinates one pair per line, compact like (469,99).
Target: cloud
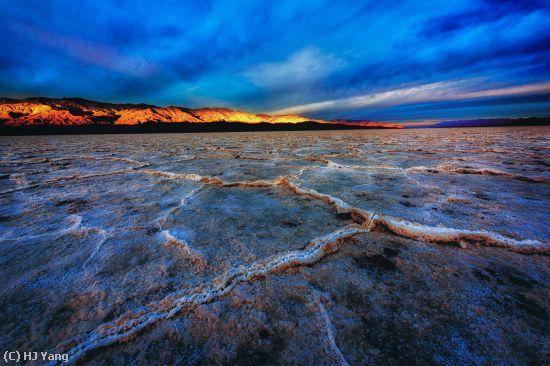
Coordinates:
(301,69)
(440,91)
(99,54)
(265,55)
(480,13)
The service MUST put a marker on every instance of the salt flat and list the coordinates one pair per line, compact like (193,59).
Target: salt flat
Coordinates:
(332,247)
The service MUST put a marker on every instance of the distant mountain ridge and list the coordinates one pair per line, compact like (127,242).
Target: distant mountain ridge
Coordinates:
(80,112)
(365,123)
(491,122)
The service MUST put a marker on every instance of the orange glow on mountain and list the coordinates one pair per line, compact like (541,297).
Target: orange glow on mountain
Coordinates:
(367,123)
(45,111)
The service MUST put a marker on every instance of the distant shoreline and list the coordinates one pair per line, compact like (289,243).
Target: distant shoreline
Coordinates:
(490,122)
(212,127)
(182,127)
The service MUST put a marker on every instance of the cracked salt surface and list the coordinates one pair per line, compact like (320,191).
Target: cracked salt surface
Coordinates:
(116,236)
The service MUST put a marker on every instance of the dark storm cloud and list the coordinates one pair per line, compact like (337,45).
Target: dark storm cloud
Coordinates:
(480,13)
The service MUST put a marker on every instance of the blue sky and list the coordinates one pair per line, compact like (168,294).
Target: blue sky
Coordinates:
(382,60)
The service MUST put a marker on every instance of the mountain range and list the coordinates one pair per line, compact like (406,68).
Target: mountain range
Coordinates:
(65,112)
(492,122)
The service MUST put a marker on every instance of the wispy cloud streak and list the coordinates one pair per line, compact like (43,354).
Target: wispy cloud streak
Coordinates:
(432,92)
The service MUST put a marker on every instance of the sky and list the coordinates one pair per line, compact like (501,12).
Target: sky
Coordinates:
(377,60)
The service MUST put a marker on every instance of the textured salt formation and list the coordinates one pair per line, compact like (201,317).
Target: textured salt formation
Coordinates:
(74,223)
(483,171)
(504,206)
(184,200)
(437,169)
(185,249)
(104,237)
(58,179)
(449,235)
(131,323)
(119,244)
(371,219)
(330,331)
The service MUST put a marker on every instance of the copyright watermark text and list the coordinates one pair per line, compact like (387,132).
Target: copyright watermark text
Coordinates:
(26,356)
